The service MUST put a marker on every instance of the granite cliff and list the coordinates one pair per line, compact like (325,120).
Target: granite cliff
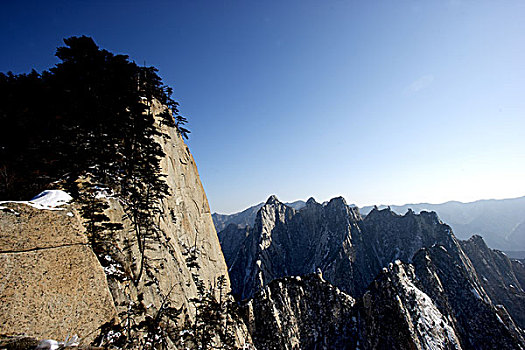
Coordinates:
(55,284)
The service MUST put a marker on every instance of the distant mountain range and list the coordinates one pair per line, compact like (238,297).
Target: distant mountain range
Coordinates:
(501,222)
(325,277)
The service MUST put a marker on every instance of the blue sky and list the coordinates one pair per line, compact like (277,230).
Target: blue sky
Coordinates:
(378,101)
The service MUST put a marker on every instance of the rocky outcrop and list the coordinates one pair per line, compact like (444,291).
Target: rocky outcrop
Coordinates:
(501,222)
(387,237)
(497,276)
(186,228)
(246,217)
(302,313)
(431,304)
(288,242)
(241,219)
(52,283)
(397,314)
(452,283)
(518,267)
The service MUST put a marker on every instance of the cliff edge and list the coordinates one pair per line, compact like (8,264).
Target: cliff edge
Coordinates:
(56,284)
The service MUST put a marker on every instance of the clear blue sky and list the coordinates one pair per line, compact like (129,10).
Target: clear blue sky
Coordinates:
(378,101)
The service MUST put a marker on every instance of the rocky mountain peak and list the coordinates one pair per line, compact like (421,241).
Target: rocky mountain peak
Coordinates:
(431,216)
(311,201)
(337,202)
(272,200)
(478,241)
(332,237)
(381,214)
(415,285)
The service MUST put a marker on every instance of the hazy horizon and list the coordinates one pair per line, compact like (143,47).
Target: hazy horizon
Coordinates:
(349,202)
(378,102)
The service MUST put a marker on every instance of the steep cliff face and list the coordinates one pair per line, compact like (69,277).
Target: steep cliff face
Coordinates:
(186,227)
(518,267)
(288,242)
(453,285)
(397,314)
(387,237)
(332,237)
(498,277)
(246,217)
(302,313)
(433,303)
(133,283)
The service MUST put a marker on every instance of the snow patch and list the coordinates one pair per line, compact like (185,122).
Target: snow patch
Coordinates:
(50,200)
(50,344)
(104,192)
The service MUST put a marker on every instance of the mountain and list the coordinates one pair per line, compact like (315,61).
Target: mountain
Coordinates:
(119,249)
(419,306)
(245,217)
(302,313)
(500,222)
(388,280)
(332,237)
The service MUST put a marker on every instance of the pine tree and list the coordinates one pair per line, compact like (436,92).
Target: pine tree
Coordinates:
(92,110)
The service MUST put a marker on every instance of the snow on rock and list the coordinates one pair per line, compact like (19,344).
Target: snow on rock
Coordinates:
(430,325)
(48,344)
(49,199)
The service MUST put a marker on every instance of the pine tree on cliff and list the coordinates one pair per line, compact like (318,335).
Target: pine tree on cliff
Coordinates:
(88,112)
(89,116)
(89,122)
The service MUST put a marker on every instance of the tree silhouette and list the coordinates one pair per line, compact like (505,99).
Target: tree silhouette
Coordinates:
(93,110)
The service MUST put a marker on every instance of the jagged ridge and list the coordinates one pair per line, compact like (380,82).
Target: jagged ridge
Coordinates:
(441,292)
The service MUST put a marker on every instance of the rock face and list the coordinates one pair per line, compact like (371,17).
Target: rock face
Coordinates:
(287,242)
(185,224)
(501,222)
(518,266)
(302,313)
(54,285)
(451,282)
(333,237)
(431,304)
(246,217)
(416,286)
(397,314)
(498,277)
(242,219)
